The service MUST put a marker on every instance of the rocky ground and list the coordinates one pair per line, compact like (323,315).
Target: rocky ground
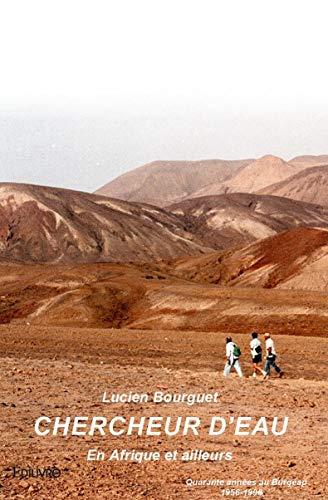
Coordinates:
(64,372)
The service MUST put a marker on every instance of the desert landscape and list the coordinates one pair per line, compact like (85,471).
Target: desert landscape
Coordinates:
(64,371)
(135,288)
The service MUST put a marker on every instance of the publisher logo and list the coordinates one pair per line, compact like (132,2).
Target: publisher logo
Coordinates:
(36,472)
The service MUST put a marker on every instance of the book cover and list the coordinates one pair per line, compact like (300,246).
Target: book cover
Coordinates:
(163,249)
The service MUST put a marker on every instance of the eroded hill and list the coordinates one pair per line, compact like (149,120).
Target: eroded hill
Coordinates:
(44,224)
(225,221)
(295,259)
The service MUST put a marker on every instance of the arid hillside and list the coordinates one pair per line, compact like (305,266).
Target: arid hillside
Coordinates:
(163,182)
(296,259)
(43,224)
(225,221)
(79,260)
(310,185)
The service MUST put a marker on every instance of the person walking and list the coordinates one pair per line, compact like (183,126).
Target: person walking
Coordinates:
(271,357)
(256,353)
(232,354)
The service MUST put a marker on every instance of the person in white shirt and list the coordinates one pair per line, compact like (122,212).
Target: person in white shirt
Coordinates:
(256,353)
(232,358)
(271,357)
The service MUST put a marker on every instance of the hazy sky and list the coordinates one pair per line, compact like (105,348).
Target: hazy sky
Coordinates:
(90,89)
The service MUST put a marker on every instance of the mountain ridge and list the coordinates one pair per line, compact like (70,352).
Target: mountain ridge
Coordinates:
(163,182)
(44,224)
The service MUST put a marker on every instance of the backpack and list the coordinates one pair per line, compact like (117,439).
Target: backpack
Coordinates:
(236,351)
(258,349)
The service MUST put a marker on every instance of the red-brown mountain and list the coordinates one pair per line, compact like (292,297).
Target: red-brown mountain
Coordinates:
(310,185)
(295,259)
(163,182)
(43,224)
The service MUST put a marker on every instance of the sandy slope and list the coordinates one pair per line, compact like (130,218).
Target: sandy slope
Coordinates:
(65,371)
(310,185)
